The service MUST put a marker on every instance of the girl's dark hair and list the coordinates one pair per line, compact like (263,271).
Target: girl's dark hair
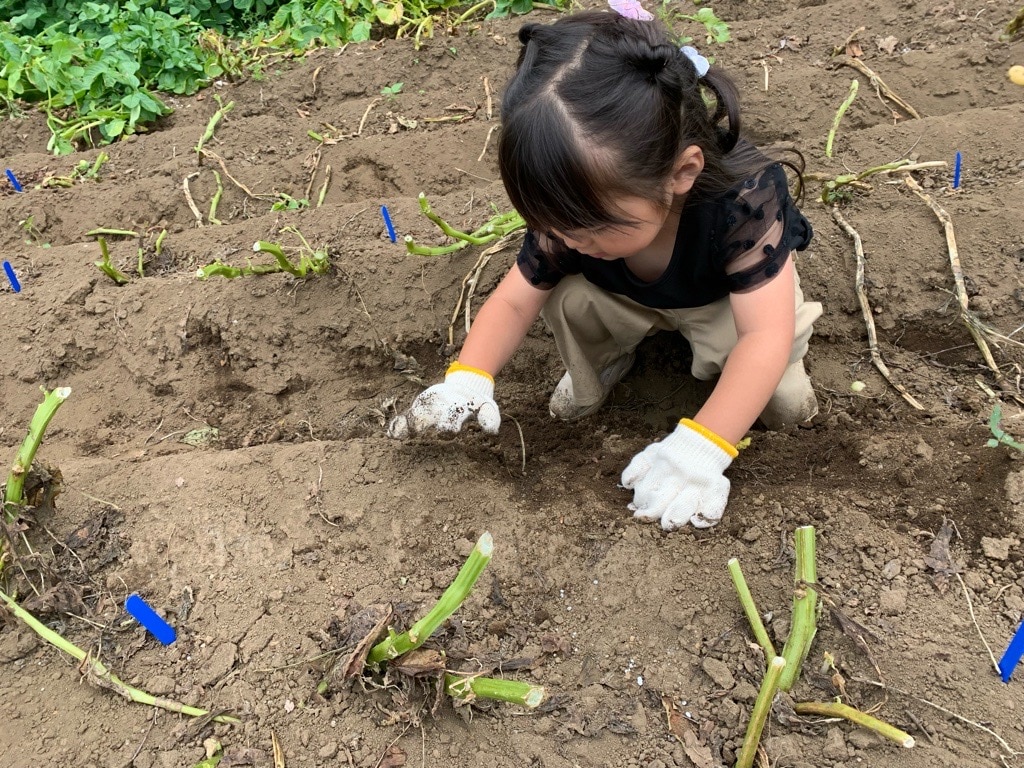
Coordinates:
(600,107)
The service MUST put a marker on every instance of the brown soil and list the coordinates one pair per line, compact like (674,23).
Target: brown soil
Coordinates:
(257,544)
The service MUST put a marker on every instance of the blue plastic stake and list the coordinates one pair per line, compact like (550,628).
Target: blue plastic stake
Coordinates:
(1013,653)
(14,181)
(149,618)
(12,277)
(388,224)
(956,171)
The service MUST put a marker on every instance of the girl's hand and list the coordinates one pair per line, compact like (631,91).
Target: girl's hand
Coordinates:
(679,480)
(465,393)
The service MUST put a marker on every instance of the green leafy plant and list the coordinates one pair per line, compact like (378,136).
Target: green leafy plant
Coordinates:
(391,91)
(999,437)
(94,69)
(715,30)
(33,236)
(288,203)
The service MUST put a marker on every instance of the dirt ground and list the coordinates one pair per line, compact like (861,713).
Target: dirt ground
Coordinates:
(257,541)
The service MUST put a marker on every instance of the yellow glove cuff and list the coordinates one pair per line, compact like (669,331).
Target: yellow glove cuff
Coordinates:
(457,366)
(713,437)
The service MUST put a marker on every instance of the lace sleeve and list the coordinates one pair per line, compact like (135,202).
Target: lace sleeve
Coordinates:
(544,268)
(762,227)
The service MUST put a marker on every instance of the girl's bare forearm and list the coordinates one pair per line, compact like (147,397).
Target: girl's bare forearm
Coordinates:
(748,381)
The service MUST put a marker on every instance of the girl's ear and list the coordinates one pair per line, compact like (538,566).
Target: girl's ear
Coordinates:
(687,168)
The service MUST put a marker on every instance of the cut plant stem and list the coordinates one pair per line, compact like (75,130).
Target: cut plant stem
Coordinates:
(750,609)
(113,232)
(323,189)
(212,126)
(835,709)
(804,624)
(14,493)
(103,675)
(762,706)
(395,645)
(107,267)
(470,687)
(212,217)
(499,226)
(854,84)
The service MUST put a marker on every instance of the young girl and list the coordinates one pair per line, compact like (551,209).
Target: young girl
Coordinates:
(645,212)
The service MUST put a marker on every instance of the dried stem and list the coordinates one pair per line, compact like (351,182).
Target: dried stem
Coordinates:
(865,308)
(879,84)
(960,287)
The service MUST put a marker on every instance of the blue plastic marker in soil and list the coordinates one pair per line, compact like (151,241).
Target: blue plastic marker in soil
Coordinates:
(149,618)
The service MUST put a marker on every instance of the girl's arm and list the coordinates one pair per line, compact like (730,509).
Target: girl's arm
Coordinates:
(765,324)
(502,323)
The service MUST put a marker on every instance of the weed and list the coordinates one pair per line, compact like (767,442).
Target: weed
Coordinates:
(999,437)
(33,235)
(289,203)
(391,91)
(715,30)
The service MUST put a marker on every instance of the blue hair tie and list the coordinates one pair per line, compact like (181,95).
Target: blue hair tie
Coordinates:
(701,64)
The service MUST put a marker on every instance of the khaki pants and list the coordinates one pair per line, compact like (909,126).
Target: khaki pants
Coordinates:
(593,327)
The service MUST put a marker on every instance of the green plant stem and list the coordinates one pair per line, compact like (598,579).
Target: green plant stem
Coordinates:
(116,232)
(212,126)
(999,437)
(160,241)
(470,687)
(835,709)
(499,226)
(762,706)
(138,267)
(804,623)
(104,675)
(14,493)
(750,609)
(107,267)
(854,85)
(277,252)
(216,200)
(226,270)
(395,645)
(479,6)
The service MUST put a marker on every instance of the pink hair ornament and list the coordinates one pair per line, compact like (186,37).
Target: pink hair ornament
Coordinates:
(631,9)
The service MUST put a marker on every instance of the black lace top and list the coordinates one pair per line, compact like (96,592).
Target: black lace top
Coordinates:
(732,243)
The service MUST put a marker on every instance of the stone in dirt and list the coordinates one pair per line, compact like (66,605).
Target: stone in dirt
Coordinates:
(718,672)
(997,549)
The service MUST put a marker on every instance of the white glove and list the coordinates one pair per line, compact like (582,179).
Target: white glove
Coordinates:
(445,407)
(679,480)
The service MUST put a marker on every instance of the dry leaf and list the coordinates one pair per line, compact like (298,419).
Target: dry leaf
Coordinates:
(420,662)
(394,758)
(854,50)
(679,726)
(887,44)
(370,622)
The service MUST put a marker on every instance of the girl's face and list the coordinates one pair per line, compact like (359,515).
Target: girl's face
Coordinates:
(649,219)
(623,240)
